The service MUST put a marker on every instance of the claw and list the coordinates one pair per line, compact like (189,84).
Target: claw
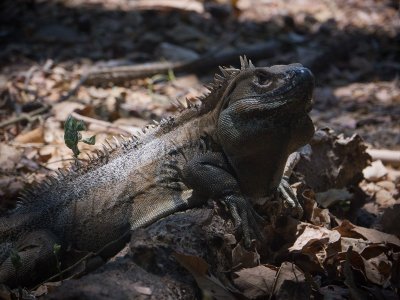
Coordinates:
(245,218)
(289,198)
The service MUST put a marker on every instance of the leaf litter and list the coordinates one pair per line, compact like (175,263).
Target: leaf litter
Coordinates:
(347,244)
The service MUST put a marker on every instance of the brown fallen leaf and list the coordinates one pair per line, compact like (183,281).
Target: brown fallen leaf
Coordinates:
(384,198)
(313,213)
(9,157)
(241,257)
(33,136)
(315,243)
(347,229)
(257,281)
(378,269)
(375,172)
(311,233)
(358,245)
(349,262)
(210,285)
(288,272)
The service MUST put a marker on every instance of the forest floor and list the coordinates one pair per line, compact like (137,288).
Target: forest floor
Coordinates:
(352,47)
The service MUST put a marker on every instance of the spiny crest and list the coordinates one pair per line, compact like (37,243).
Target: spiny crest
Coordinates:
(245,63)
(220,82)
(121,145)
(97,158)
(93,160)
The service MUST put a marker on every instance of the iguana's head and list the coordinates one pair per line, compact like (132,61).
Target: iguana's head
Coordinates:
(280,87)
(262,118)
(265,104)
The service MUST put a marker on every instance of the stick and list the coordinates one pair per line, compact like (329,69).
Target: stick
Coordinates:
(120,74)
(107,125)
(385,155)
(25,116)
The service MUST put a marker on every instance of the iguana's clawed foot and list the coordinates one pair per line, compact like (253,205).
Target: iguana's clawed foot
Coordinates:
(245,217)
(289,198)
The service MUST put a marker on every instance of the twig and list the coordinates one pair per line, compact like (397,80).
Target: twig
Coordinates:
(385,155)
(73,91)
(107,125)
(25,116)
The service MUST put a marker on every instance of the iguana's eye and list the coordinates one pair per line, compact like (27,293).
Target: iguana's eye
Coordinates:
(263,79)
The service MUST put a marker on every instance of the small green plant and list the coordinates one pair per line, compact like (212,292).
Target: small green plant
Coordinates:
(72,136)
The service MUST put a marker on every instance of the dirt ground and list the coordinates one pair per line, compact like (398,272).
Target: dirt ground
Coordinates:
(119,64)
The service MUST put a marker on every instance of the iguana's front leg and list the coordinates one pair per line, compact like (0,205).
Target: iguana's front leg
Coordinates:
(211,176)
(285,191)
(30,258)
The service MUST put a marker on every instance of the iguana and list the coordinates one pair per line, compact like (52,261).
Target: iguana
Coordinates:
(232,147)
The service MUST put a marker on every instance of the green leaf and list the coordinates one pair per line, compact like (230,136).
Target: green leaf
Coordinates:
(72,136)
(56,249)
(71,133)
(90,141)
(171,75)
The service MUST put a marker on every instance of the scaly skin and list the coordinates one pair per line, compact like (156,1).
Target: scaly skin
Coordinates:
(233,147)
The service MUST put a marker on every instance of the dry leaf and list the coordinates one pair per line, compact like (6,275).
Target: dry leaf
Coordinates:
(390,186)
(62,110)
(378,269)
(33,136)
(384,198)
(358,244)
(314,214)
(347,229)
(288,271)
(311,233)
(209,284)
(9,157)
(315,243)
(375,171)
(244,258)
(256,282)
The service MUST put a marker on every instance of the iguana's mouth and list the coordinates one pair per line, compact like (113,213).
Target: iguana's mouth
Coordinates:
(303,84)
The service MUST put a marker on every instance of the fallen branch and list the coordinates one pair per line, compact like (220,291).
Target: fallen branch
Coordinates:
(385,155)
(109,127)
(31,116)
(115,75)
